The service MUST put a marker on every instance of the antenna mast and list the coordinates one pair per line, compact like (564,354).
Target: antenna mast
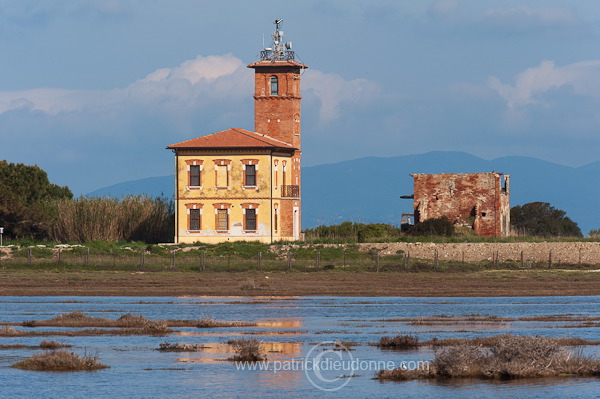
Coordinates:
(280,51)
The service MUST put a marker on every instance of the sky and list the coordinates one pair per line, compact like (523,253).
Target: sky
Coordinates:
(92,91)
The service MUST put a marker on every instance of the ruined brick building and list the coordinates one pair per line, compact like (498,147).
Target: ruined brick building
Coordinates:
(478,200)
(239,185)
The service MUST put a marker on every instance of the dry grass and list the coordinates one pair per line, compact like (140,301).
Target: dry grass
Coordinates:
(209,322)
(247,350)
(60,361)
(11,332)
(127,323)
(52,345)
(176,347)
(399,342)
(507,357)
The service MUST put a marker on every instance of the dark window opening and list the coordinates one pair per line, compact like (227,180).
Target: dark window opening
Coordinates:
(250,175)
(195,175)
(483,213)
(250,219)
(274,85)
(194,219)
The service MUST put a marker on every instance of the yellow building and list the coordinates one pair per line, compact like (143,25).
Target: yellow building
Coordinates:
(238,185)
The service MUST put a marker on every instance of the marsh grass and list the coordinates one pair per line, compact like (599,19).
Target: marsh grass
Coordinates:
(177,347)
(209,322)
(246,350)
(506,357)
(60,361)
(399,342)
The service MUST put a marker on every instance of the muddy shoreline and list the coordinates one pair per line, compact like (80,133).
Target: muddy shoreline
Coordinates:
(468,284)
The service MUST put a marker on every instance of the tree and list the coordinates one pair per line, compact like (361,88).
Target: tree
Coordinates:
(24,196)
(542,219)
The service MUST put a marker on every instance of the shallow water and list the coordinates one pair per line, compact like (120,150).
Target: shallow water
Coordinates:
(295,332)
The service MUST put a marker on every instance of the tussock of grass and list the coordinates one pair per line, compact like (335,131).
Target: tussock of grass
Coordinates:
(10,332)
(246,350)
(177,347)
(60,361)
(130,324)
(399,342)
(51,345)
(209,322)
(508,357)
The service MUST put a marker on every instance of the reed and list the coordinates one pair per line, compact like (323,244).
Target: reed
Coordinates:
(132,218)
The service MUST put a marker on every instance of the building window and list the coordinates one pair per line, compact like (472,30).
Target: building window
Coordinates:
(274,85)
(222,176)
(194,175)
(194,219)
(275,221)
(250,219)
(222,219)
(250,176)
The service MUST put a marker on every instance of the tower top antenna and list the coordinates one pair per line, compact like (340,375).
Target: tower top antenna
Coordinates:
(280,50)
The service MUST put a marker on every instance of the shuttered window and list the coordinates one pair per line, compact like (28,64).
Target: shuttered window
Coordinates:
(250,175)
(222,219)
(194,219)
(194,175)
(250,219)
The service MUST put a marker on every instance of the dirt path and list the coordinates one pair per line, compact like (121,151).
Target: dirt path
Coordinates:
(494,283)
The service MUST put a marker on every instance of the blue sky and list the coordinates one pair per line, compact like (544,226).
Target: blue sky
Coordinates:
(93,90)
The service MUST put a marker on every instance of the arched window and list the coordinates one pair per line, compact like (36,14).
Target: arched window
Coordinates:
(274,85)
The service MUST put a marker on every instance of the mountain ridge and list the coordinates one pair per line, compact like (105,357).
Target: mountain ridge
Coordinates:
(368,189)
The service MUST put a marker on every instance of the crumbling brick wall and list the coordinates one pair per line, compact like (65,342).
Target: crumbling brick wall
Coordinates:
(478,200)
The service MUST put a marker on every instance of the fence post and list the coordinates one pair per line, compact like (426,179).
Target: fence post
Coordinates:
(580,255)
(318,259)
(550,259)
(29,256)
(463,258)
(142,260)
(259,260)
(435,256)
(203,260)
(58,256)
(408,259)
(377,262)
(289,261)
(172,259)
(87,256)
(522,261)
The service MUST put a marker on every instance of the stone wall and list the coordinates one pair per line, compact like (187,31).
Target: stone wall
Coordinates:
(560,252)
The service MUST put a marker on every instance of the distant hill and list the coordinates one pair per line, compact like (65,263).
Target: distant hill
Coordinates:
(368,189)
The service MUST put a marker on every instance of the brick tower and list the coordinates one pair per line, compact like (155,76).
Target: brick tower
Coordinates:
(277,91)
(277,111)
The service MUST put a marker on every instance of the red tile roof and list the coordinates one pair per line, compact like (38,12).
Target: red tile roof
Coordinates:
(232,138)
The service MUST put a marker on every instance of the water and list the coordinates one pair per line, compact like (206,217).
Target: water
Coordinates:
(295,331)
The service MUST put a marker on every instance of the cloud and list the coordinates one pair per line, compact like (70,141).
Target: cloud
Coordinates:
(532,84)
(333,92)
(185,88)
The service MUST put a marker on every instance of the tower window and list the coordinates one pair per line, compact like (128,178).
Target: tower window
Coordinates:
(222,220)
(274,85)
